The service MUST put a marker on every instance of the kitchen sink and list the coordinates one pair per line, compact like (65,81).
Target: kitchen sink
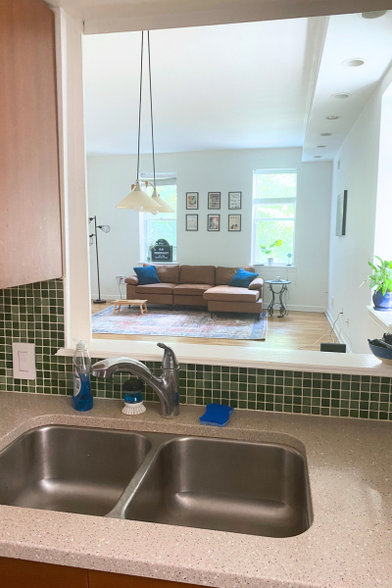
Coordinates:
(71,469)
(254,488)
(220,484)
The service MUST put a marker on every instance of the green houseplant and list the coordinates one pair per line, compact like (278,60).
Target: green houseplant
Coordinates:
(269,251)
(381,280)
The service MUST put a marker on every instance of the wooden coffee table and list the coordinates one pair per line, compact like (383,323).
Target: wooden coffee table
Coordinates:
(142,304)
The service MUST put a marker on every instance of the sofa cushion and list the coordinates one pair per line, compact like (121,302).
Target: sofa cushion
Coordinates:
(192,289)
(225,274)
(166,273)
(146,275)
(197,274)
(242,279)
(230,294)
(161,288)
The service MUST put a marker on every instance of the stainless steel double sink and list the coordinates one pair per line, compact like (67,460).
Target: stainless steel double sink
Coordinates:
(226,485)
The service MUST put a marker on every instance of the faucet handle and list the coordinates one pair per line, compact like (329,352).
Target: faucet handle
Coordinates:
(169,361)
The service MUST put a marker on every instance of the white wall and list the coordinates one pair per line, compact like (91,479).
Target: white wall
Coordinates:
(358,173)
(109,179)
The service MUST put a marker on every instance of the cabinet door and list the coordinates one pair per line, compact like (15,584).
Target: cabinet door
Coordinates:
(17,573)
(30,242)
(109,580)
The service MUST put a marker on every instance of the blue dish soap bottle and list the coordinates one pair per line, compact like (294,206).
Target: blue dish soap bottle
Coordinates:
(82,398)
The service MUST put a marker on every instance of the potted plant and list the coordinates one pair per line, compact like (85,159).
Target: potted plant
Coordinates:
(381,280)
(270,250)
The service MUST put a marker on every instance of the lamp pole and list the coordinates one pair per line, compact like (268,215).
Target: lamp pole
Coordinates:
(105,229)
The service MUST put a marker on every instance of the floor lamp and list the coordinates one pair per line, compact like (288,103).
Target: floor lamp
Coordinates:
(105,229)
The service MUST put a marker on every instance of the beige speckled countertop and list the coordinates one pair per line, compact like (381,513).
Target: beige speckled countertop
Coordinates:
(349,544)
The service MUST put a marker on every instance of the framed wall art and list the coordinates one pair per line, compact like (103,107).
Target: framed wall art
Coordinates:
(213,222)
(341,214)
(214,200)
(192,222)
(192,200)
(235,200)
(234,222)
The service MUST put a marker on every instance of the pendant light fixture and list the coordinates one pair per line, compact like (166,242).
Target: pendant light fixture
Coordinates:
(138,199)
(165,207)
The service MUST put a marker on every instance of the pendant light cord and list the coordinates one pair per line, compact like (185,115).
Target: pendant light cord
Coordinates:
(151,110)
(140,106)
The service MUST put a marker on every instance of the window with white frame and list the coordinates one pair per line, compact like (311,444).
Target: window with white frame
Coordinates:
(274,203)
(162,225)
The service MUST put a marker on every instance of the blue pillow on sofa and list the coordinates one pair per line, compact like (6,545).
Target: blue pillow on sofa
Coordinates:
(147,275)
(242,279)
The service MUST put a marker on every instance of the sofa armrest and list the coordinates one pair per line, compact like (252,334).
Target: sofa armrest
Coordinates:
(132,280)
(257,284)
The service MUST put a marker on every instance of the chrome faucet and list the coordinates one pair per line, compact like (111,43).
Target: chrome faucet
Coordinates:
(166,386)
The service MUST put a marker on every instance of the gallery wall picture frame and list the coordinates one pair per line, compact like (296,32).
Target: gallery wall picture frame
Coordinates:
(214,200)
(341,214)
(234,223)
(192,200)
(192,222)
(213,222)
(235,199)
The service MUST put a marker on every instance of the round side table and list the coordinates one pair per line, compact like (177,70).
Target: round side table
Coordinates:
(284,286)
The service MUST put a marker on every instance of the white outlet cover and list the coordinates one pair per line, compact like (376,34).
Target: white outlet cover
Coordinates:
(23,358)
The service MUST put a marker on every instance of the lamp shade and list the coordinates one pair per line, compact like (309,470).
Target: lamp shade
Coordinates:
(138,200)
(165,207)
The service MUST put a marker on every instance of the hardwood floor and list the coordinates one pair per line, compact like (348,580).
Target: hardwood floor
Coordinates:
(297,330)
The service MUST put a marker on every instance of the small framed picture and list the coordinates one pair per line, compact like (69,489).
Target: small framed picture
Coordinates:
(234,222)
(192,222)
(192,201)
(213,222)
(214,200)
(341,214)
(235,200)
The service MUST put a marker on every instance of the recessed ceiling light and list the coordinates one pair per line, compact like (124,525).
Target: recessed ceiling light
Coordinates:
(356,62)
(321,146)
(373,14)
(332,117)
(341,96)
(325,134)
(317,156)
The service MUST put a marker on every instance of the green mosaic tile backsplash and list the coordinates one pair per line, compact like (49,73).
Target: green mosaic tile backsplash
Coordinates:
(35,314)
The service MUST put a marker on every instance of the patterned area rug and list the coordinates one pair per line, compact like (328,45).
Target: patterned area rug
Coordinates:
(181,323)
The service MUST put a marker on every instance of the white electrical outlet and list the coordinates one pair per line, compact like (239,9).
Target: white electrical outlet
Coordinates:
(23,358)
(120,279)
(332,300)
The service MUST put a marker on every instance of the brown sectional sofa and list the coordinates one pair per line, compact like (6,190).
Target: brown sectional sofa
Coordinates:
(199,285)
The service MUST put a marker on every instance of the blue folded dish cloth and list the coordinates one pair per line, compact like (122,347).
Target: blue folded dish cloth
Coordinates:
(216,415)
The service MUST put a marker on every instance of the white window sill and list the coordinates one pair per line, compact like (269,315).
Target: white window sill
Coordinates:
(274,266)
(383,319)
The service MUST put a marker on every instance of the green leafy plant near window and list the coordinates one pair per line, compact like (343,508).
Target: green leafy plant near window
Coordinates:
(381,276)
(270,250)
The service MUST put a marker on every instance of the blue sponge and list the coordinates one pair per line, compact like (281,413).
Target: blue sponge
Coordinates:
(216,415)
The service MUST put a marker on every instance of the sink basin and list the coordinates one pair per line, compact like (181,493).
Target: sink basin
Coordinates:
(70,469)
(240,487)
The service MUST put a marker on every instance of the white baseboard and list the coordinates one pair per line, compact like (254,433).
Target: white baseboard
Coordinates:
(108,296)
(299,308)
(338,332)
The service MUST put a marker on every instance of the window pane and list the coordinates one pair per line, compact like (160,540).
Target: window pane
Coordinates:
(162,225)
(275,211)
(278,185)
(269,231)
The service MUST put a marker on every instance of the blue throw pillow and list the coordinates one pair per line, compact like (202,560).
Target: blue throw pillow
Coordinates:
(147,275)
(242,279)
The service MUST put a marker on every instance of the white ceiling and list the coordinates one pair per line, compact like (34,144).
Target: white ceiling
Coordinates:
(252,85)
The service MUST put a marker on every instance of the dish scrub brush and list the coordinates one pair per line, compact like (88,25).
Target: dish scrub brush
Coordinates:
(133,400)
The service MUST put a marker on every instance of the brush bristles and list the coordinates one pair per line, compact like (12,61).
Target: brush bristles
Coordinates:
(132,409)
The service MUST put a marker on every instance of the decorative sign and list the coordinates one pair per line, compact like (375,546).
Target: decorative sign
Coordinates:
(162,251)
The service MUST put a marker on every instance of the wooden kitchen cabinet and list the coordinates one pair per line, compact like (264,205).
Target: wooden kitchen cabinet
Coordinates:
(30,241)
(18,573)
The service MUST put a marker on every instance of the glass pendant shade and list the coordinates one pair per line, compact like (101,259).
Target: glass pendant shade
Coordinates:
(139,200)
